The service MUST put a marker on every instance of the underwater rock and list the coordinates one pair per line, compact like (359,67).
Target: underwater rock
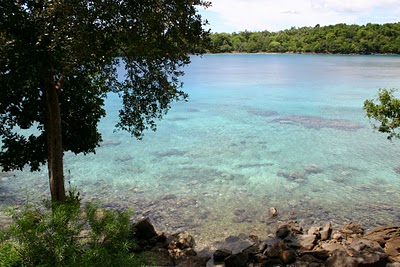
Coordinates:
(298,176)
(171,153)
(273,212)
(397,169)
(110,143)
(316,122)
(312,169)
(263,113)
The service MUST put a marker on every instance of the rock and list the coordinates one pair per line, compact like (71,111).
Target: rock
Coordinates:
(235,243)
(319,254)
(299,177)
(306,242)
(331,247)
(180,241)
(340,259)
(285,229)
(287,256)
(362,252)
(144,229)
(382,234)
(237,260)
(326,231)
(273,212)
(312,169)
(314,231)
(168,197)
(395,264)
(352,228)
(192,261)
(275,249)
(221,254)
(392,249)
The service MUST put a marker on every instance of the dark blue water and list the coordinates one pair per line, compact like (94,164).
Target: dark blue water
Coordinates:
(259,131)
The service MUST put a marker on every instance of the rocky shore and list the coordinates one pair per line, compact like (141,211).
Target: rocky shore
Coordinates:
(349,246)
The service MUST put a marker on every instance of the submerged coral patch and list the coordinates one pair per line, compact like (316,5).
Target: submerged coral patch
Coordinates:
(316,122)
(263,113)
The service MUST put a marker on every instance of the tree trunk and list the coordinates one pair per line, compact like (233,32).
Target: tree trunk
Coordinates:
(54,143)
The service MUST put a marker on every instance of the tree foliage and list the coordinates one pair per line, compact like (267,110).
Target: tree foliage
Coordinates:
(58,62)
(335,39)
(386,111)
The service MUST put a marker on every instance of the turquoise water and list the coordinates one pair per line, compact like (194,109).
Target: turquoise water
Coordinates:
(258,131)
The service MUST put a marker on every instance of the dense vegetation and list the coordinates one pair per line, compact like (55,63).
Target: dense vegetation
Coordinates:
(336,39)
(63,234)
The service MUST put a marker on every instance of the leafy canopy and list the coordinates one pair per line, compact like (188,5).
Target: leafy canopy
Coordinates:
(386,111)
(73,47)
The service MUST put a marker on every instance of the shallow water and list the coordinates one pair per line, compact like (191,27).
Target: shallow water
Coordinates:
(259,131)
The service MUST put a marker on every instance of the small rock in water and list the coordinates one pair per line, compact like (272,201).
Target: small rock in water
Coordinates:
(312,169)
(273,212)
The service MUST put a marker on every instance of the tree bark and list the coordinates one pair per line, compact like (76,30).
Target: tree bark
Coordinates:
(54,143)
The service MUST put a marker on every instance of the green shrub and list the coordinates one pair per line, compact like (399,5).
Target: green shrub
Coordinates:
(62,234)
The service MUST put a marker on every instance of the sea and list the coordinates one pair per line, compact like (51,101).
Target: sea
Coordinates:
(258,131)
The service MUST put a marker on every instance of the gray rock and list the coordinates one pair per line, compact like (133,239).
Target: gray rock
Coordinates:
(221,254)
(314,231)
(275,249)
(306,242)
(340,259)
(326,231)
(237,260)
(320,254)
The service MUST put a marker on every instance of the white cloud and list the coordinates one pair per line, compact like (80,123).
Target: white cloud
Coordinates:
(272,15)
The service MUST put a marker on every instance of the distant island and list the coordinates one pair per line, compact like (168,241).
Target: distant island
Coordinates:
(333,39)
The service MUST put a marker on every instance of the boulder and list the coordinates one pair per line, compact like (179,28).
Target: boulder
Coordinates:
(367,252)
(236,243)
(221,254)
(331,247)
(237,260)
(326,231)
(288,228)
(180,241)
(305,242)
(314,231)
(382,234)
(275,249)
(340,259)
(144,229)
(352,228)
(287,256)
(392,249)
(362,252)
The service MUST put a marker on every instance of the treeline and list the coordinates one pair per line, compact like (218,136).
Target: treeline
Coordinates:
(335,39)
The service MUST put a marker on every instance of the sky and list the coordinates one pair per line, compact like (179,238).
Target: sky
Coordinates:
(274,15)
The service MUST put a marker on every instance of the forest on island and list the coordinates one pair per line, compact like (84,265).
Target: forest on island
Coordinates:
(333,39)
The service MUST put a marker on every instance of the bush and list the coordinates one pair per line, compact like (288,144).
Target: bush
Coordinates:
(62,234)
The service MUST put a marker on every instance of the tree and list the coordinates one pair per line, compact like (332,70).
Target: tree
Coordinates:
(58,62)
(386,112)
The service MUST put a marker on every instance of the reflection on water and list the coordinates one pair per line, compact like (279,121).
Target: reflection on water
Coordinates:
(259,131)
